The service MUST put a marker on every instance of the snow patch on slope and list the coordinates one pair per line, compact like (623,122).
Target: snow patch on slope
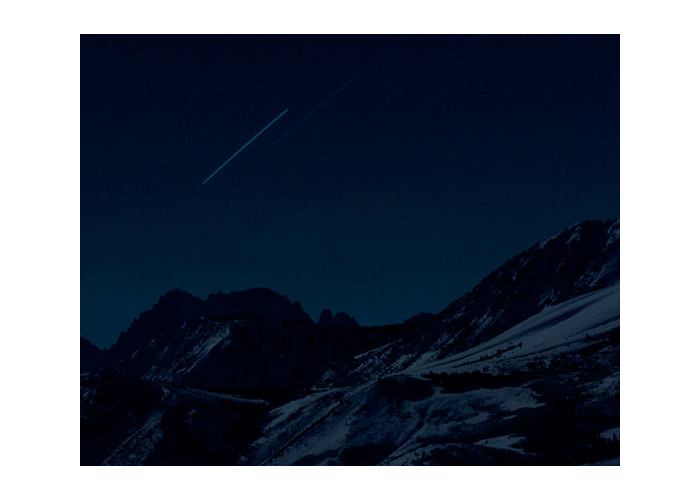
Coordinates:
(556,329)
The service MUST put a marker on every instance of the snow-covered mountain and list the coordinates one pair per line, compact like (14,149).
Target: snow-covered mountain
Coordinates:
(522,369)
(544,391)
(583,258)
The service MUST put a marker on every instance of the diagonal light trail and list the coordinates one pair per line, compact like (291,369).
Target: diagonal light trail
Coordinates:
(307,115)
(244,146)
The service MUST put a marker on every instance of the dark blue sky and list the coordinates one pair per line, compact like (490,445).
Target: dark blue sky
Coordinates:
(447,155)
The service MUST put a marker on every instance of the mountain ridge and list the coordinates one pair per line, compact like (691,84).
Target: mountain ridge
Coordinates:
(258,345)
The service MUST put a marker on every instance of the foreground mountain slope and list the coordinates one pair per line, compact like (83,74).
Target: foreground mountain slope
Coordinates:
(130,421)
(546,391)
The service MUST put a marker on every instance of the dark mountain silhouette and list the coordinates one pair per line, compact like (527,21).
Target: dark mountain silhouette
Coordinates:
(177,307)
(254,342)
(253,367)
(340,319)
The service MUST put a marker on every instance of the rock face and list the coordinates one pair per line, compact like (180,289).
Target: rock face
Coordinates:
(190,341)
(255,343)
(523,369)
(177,310)
(326,318)
(341,319)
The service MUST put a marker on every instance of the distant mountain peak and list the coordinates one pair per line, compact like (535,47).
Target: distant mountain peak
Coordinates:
(175,294)
(176,298)
(340,319)
(177,308)
(573,233)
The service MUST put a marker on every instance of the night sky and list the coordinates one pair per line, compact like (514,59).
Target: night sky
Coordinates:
(445,156)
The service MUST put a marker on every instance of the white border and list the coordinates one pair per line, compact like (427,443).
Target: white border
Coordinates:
(39,196)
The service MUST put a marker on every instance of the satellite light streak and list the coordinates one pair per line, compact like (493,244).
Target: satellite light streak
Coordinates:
(307,115)
(245,146)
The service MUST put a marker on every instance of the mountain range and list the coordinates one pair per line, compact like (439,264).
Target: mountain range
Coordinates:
(522,369)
